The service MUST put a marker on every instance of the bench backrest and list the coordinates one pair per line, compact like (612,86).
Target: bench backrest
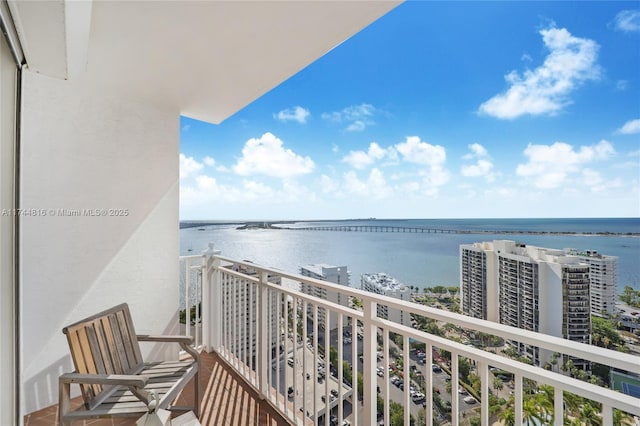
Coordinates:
(104,343)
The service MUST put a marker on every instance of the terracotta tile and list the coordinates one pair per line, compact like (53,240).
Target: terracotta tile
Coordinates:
(226,399)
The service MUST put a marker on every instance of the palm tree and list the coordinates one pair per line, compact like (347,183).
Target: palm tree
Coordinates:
(589,416)
(571,402)
(620,418)
(508,417)
(497,384)
(531,415)
(544,398)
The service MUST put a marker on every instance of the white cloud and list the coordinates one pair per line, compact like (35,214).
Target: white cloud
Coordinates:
(627,21)
(483,166)
(414,150)
(356,126)
(622,85)
(186,128)
(375,186)
(631,127)
(545,90)
(433,178)
(267,156)
(362,159)
(188,166)
(549,166)
(296,113)
(357,117)
(209,161)
(328,185)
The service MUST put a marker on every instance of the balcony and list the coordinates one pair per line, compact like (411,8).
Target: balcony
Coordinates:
(275,342)
(227,400)
(261,365)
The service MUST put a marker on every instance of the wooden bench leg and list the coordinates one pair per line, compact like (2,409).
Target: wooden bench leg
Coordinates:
(196,394)
(64,401)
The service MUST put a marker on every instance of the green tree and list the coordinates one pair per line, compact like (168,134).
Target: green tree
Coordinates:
(508,417)
(347,374)
(497,384)
(531,415)
(604,332)
(440,289)
(356,303)
(463,367)
(571,402)
(589,416)
(333,356)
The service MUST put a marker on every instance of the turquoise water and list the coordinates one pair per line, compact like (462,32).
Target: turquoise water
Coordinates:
(414,259)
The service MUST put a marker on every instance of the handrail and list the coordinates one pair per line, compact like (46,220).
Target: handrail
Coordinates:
(256,292)
(597,354)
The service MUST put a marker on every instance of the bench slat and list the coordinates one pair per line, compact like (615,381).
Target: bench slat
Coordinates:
(118,350)
(103,347)
(127,340)
(112,349)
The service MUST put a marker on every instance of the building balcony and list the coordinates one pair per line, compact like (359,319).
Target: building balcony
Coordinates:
(268,359)
(227,400)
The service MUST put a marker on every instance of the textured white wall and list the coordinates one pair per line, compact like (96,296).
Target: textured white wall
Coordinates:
(7,125)
(83,149)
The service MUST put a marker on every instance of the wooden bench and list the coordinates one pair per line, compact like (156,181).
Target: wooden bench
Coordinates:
(113,378)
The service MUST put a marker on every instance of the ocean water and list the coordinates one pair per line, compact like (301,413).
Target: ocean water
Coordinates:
(422,260)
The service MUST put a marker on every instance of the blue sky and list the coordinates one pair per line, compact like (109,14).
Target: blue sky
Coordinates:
(438,110)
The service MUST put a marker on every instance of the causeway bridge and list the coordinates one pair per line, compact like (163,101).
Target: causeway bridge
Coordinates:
(378,228)
(420,230)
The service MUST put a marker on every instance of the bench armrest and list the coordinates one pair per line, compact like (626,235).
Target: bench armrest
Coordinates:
(177,339)
(105,379)
(184,341)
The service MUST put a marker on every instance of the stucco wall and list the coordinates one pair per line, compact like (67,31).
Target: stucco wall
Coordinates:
(101,174)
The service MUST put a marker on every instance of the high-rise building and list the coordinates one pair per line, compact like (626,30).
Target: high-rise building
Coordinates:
(602,281)
(335,274)
(239,301)
(382,283)
(531,288)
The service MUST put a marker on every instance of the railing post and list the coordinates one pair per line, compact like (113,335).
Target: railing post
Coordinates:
(483,372)
(263,346)
(558,406)
(211,299)
(369,351)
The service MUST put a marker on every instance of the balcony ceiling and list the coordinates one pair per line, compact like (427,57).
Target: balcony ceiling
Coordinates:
(206,58)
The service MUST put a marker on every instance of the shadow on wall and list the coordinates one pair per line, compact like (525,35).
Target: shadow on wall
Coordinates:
(43,388)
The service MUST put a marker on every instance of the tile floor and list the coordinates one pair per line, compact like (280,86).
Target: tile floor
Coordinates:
(226,401)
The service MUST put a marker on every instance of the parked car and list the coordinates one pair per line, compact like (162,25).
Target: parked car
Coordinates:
(436,368)
(469,400)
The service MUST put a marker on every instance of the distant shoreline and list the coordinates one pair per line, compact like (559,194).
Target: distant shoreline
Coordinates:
(254,225)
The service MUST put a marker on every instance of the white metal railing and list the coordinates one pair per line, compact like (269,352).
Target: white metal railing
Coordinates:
(191,296)
(273,335)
